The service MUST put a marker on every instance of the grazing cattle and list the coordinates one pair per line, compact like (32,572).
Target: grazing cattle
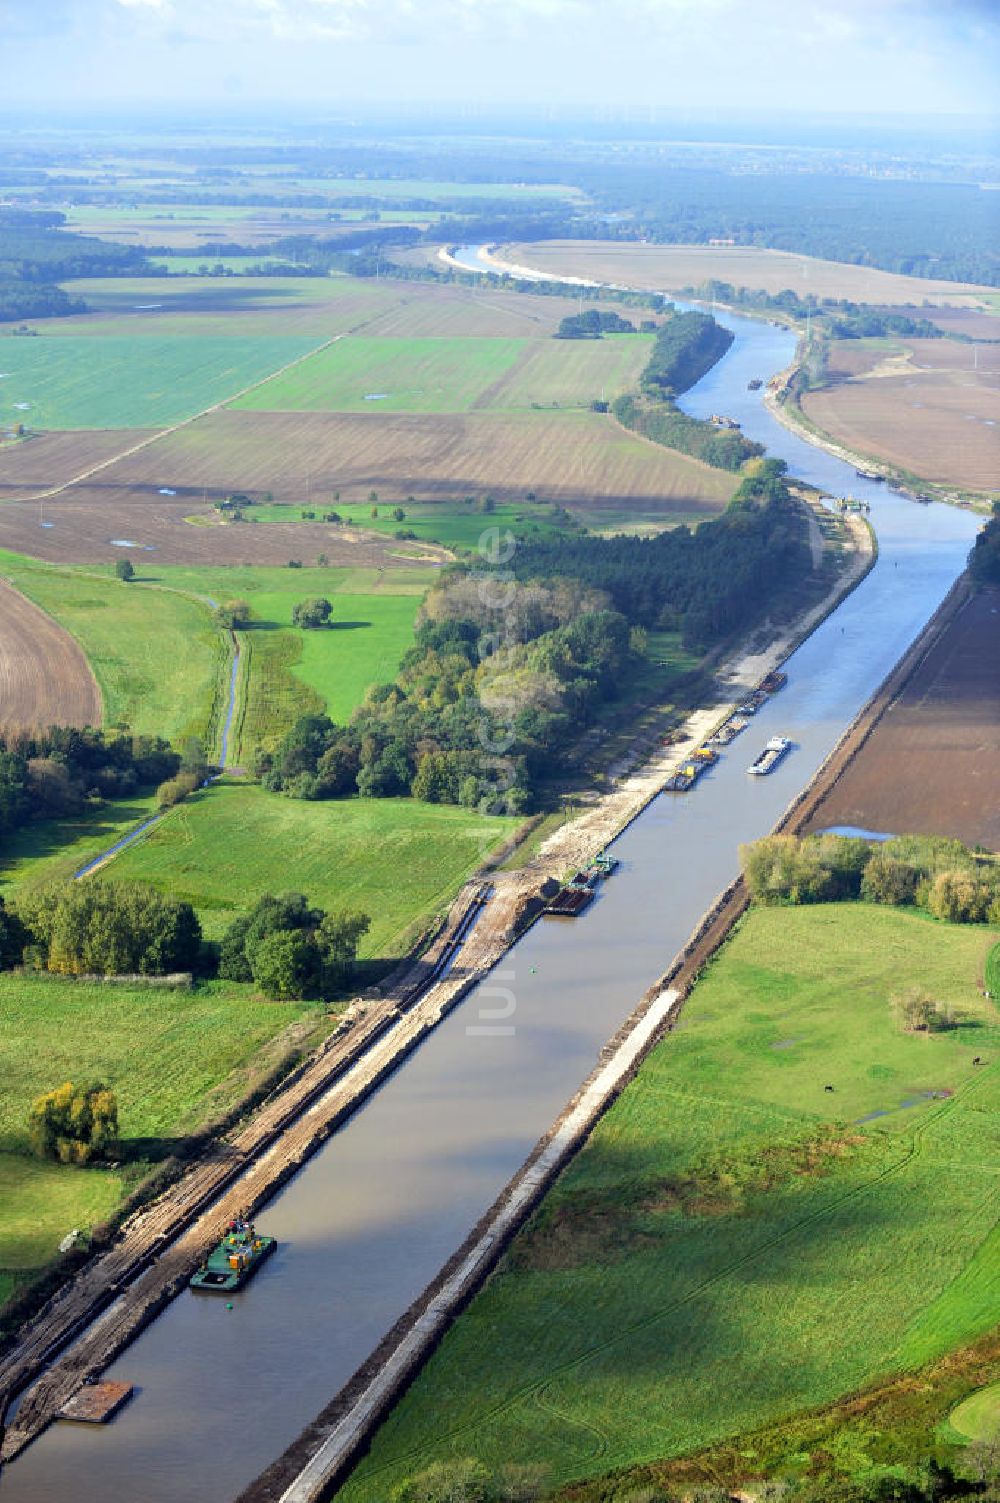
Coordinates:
(828,1088)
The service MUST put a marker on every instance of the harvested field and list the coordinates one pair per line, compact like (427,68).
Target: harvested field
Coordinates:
(965,321)
(50,459)
(83,524)
(44,677)
(305,305)
(932,765)
(566,457)
(202,306)
(942,425)
(671,267)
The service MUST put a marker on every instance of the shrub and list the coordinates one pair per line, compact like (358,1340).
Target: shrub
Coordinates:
(125,570)
(176,790)
(887,880)
(74,1124)
(233,615)
(919,1013)
(959,898)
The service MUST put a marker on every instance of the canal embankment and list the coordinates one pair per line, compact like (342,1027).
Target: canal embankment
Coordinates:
(313,1466)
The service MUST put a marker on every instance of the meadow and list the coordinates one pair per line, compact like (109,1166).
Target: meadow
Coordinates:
(289,672)
(454,524)
(396,859)
(737,1242)
(156,654)
(54,381)
(389,375)
(173,1059)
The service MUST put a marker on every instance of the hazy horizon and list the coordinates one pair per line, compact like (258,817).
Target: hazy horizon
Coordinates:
(877,58)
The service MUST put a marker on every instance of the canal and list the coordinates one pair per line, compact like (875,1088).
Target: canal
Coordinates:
(220,1391)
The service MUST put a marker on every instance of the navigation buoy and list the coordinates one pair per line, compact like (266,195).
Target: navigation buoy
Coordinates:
(229,1304)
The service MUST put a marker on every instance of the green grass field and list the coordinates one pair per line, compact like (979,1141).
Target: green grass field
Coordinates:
(978,1417)
(390,375)
(53,850)
(55,382)
(396,859)
(669,1292)
(455,524)
(158,658)
(173,1058)
(291,672)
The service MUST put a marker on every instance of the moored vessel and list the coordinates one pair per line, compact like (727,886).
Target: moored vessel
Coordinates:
(236,1258)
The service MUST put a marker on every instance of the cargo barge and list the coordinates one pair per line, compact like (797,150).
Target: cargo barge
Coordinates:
(690,771)
(235,1260)
(575,895)
(728,731)
(767,761)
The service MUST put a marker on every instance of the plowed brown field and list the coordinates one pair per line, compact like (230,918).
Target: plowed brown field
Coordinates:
(82,527)
(943,425)
(932,765)
(566,456)
(44,677)
(37,464)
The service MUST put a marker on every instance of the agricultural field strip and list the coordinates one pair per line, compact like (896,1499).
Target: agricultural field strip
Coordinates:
(45,678)
(219,695)
(186,422)
(674,267)
(174,428)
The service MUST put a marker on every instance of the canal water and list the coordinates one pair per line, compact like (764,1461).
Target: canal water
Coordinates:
(370,1219)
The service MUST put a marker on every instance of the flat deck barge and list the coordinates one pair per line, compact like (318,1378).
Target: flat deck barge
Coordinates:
(96,1403)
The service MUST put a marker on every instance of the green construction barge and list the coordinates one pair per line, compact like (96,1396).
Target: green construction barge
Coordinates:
(235,1260)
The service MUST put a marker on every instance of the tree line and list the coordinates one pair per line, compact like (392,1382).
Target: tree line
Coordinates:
(840,317)
(592,324)
(93,927)
(528,666)
(36,254)
(939,876)
(686,346)
(705,583)
(984,560)
(63,769)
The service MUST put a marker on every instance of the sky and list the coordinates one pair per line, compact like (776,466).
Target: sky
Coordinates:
(933,57)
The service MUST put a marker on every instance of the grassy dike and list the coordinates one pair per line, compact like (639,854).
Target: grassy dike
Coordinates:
(736,1243)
